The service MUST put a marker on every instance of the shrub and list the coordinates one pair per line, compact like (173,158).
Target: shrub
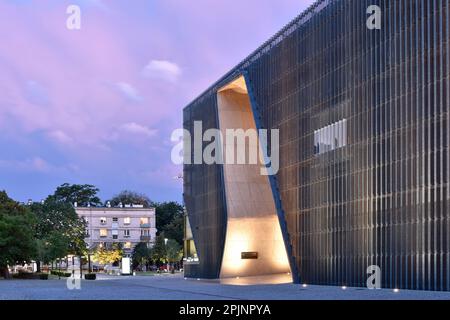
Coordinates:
(61,274)
(23,275)
(90,276)
(43,276)
(30,276)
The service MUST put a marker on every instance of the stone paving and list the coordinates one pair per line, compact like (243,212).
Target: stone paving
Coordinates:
(177,288)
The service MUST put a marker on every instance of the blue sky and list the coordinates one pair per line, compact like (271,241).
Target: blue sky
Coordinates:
(98,105)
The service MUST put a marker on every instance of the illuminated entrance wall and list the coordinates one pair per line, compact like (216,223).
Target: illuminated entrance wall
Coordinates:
(252,221)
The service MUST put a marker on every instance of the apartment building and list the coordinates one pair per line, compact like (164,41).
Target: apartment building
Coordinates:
(127,225)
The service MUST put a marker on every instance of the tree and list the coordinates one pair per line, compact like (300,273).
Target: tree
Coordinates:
(57,247)
(83,195)
(131,197)
(141,254)
(158,252)
(53,247)
(104,255)
(42,253)
(174,253)
(16,234)
(170,220)
(175,229)
(59,230)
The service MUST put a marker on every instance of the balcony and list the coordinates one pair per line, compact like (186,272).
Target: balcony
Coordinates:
(146,238)
(145,225)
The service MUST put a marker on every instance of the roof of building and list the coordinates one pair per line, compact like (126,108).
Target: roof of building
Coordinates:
(114,209)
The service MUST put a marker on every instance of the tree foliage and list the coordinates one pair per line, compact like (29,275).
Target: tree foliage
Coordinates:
(54,246)
(131,197)
(175,229)
(58,230)
(58,224)
(16,233)
(174,251)
(141,254)
(104,255)
(83,195)
(158,253)
(170,220)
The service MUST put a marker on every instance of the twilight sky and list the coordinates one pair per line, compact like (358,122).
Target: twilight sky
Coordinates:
(98,105)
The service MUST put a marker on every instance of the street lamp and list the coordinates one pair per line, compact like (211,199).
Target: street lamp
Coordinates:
(165,243)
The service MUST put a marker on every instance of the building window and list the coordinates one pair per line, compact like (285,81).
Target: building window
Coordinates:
(331,137)
(115,234)
(145,233)
(103,233)
(103,220)
(115,225)
(126,233)
(115,219)
(144,221)
(127,245)
(127,220)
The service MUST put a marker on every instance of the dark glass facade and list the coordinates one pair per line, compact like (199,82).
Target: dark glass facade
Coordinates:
(374,191)
(204,199)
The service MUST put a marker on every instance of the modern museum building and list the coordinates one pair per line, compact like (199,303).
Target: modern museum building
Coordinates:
(357,91)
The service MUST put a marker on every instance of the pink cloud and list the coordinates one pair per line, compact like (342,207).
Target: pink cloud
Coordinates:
(138,129)
(60,137)
(35,164)
(129,92)
(162,70)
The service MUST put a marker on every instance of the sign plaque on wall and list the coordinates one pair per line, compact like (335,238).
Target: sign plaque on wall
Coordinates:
(249,255)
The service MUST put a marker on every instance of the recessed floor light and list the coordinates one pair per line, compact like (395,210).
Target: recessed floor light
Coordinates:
(305,286)
(344,288)
(396,290)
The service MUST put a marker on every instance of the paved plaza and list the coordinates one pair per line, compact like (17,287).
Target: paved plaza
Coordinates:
(177,288)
